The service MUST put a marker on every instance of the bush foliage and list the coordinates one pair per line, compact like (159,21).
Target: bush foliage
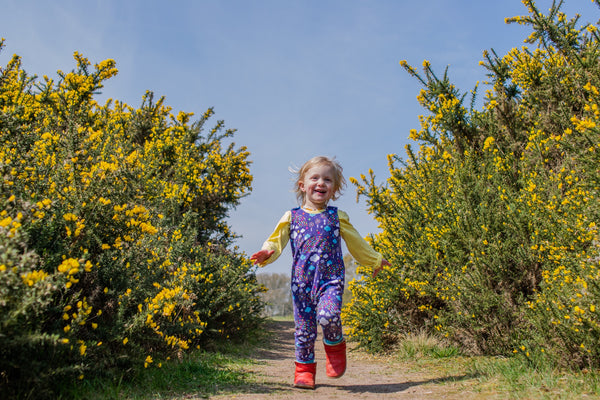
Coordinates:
(492,223)
(114,245)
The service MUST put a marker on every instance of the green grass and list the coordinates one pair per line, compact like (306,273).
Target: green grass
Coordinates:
(283,318)
(200,374)
(523,381)
(500,377)
(220,367)
(422,345)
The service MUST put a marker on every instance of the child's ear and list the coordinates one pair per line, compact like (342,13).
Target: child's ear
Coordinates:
(301,186)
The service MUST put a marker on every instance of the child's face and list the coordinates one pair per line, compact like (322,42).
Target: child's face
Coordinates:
(318,186)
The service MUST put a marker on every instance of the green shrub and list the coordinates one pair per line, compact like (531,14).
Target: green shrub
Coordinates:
(117,251)
(491,226)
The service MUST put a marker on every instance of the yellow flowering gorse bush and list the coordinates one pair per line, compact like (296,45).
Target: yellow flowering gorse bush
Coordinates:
(491,225)
(115,245)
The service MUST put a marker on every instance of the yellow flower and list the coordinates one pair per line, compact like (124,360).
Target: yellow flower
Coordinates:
(70,217)
(69,265)
(34,276)
(488,142)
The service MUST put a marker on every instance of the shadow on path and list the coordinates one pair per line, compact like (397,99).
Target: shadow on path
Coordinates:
(395,387)
(274,359)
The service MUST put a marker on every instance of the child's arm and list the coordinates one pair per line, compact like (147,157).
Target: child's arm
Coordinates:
(261,256)
(358,246)
(274,245)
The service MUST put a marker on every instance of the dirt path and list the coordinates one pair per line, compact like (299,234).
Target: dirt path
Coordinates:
(367,376)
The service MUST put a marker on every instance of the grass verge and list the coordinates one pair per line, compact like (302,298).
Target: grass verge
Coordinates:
(494,377)
(200,374)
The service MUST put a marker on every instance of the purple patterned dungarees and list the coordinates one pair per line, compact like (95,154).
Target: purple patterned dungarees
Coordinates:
(317,279)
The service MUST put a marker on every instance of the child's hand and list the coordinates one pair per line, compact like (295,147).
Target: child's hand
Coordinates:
(261,256)
(377,270)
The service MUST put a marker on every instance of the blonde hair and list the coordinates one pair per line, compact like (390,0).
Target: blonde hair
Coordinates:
(338,178)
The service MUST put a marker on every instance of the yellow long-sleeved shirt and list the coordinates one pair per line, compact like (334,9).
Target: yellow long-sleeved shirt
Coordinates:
(357,245)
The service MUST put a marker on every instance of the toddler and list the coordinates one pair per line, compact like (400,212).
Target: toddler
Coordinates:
(314,231)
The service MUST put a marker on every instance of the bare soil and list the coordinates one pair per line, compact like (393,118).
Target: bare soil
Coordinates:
(367,376)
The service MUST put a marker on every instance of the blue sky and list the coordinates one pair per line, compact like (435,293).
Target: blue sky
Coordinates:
(295,78)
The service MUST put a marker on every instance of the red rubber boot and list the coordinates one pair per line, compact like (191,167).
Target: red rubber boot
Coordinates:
(304,377)
(336,359)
